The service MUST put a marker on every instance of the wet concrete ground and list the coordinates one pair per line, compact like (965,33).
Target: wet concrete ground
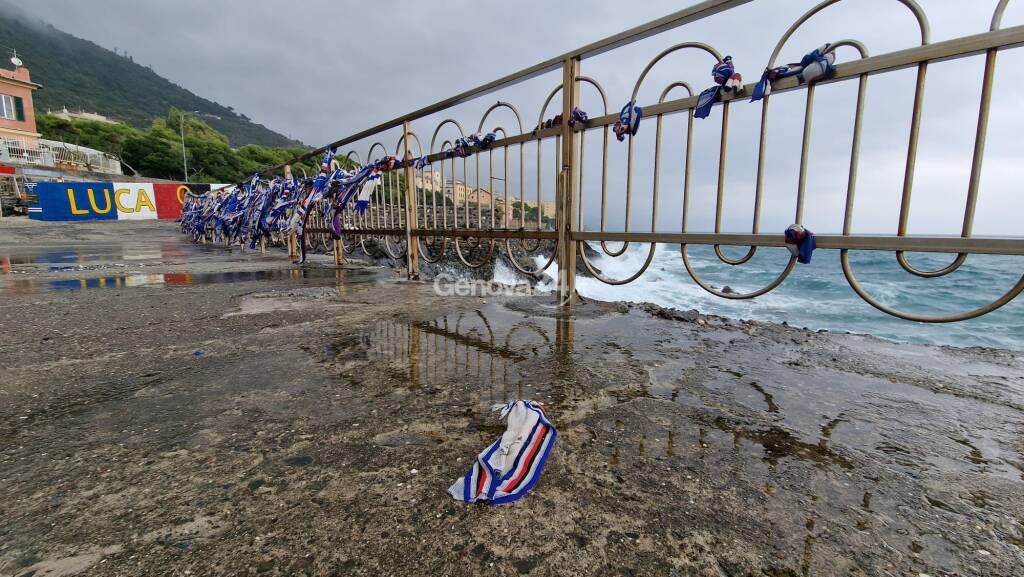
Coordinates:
(231,414)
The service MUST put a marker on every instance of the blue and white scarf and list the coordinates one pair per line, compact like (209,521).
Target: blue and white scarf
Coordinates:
(816,65)
(421,162)
(629,121)
(366,191)
(482,141)
(464,147)
(800,243)
(512,465)
(325,163)
(726,80)
(577,116)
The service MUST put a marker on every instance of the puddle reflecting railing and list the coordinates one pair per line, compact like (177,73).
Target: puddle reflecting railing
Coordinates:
(460,347)
(433,210)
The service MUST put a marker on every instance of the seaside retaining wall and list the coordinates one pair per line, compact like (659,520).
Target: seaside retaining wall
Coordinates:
(111,200)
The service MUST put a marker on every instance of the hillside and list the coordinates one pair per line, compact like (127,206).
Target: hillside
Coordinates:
(79,74)
(157,151)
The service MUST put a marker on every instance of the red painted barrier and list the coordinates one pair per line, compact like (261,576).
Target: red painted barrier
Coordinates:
(171,197)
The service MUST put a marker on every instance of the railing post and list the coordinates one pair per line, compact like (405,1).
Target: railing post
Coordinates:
(566,189)
(339,254)
(412,254)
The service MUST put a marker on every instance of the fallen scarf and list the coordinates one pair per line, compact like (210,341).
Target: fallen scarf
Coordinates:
(726,80)
(815,65)
(800,243)
(511,466)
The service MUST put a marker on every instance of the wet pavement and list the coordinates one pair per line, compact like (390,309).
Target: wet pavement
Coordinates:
(267,419)
(310,275)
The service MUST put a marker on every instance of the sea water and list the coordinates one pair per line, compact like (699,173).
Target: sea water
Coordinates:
(817,295)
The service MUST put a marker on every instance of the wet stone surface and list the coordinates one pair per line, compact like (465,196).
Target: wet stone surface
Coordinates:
(308,421)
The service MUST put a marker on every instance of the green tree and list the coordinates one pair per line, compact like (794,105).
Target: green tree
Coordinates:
(157,151)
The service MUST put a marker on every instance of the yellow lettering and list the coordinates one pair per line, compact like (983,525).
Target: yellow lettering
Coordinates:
(106,196)
(144,200)
(117,200)
(181,194)
(71,200)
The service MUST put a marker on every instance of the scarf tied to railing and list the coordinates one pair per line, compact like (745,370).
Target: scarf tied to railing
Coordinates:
(464,147)
(726,80)
(818,64)
(421,162)
(800,243)
(578,116)
(629,121)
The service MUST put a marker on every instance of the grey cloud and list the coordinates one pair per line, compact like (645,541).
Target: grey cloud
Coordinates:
(319,70)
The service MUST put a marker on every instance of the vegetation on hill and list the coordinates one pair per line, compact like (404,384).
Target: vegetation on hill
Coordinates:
(81,75)
(156,152)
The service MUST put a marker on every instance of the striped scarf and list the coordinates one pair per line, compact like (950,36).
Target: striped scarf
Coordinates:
(817,64)
(512,465)
(800,243)
(482,141)
(726,80)
(629,121)
(366,191)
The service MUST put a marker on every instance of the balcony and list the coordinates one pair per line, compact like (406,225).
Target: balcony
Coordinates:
(59,155)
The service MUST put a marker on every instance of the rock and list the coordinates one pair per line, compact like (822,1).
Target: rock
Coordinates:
(692,315)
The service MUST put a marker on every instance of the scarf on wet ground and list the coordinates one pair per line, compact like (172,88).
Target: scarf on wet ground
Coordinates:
(511,466)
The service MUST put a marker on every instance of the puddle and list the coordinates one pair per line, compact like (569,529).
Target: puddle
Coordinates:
(341,276)
(825,417)
(494,354)
(82,257)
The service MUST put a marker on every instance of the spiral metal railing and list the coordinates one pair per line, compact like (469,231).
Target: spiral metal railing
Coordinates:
(410,219)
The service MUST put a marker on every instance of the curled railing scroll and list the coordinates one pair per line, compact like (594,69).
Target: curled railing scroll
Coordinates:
(445,216)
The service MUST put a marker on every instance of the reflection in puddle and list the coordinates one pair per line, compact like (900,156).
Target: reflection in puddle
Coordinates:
(21,286)
(73,257)
(467,348)
(762,410)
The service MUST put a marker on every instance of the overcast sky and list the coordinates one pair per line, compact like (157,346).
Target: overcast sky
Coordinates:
(319,70)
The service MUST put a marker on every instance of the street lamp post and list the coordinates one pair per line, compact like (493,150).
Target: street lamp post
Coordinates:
(184,158)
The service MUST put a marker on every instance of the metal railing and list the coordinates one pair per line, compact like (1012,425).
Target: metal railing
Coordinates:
(412,223)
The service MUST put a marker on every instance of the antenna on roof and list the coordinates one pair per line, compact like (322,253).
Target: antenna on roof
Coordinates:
(15,60)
